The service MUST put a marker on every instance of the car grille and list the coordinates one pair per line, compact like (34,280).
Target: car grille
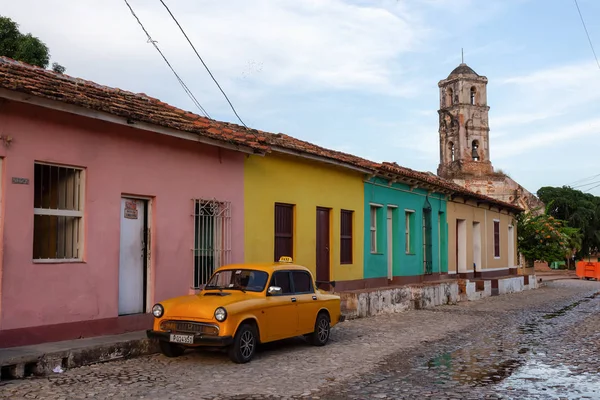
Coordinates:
(190,327)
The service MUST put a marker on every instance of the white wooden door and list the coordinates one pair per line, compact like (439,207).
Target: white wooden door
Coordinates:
(511,247)
(390,244)
(131,259)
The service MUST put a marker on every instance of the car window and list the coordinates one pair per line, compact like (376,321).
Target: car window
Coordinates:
(238,279)
(282,279)
(302,282)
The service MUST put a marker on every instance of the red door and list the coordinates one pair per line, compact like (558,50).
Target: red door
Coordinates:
(323,239)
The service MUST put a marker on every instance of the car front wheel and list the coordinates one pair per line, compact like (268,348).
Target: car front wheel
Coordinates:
(244,344)
(171,349)
(320,336)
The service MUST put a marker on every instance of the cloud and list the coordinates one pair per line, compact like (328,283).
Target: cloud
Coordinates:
(319,45)
(550,138)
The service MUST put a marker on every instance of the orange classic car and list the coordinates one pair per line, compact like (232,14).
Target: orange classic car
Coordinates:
(243,305)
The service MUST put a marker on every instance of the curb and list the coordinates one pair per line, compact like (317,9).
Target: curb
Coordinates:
(21,362)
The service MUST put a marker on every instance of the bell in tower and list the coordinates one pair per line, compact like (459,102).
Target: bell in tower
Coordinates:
(474,153)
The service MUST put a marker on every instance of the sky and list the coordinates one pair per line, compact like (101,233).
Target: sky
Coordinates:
(359,76)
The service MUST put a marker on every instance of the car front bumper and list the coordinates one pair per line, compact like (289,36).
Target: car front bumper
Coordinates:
(202,340)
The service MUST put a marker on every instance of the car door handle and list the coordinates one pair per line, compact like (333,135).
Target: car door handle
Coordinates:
(314,297)
(293,299)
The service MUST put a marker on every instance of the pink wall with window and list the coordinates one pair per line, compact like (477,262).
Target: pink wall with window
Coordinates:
(117,160)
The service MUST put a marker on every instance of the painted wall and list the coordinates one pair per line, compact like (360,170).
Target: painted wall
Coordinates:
(117,160)
(306,184)
(399,198)
(471,213)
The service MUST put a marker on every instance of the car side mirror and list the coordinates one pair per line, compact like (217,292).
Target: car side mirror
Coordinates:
(274,290)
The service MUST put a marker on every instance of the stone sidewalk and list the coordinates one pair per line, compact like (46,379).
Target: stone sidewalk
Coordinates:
(45,358)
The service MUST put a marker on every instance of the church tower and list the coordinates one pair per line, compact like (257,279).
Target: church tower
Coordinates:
(464,130)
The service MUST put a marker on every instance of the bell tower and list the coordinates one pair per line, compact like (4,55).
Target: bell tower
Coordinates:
(464,131)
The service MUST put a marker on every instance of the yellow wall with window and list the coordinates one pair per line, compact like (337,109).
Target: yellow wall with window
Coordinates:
(307,184)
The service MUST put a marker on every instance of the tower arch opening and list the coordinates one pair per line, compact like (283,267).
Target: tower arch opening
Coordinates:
(452,151)
(473,95)
(449,96)
(475,150)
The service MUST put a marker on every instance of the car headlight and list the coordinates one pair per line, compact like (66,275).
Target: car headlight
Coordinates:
(158,310)
(220,314)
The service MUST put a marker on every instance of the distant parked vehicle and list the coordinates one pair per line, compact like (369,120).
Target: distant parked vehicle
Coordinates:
(243,305)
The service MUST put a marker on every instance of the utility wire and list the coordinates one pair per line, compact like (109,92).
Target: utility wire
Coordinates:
(584,179)
(585,184)
(593,187)
(588,35)
(203,63)
(181,82)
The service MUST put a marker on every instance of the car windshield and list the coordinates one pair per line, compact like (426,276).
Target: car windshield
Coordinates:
(238,279)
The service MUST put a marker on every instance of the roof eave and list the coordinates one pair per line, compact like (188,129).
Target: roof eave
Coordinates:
(107,117)
(414,183)
(314,157)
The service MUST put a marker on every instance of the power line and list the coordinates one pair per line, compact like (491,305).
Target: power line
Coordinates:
(203,63)
(593,187)
(181,82)
(585,179)
(588,35)
(585,184)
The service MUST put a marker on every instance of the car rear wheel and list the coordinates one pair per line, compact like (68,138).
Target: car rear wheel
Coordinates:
(244,344)
(320,336)
(171,349)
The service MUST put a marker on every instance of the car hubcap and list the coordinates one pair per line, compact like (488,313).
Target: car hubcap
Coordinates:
(247,344)
(323,330)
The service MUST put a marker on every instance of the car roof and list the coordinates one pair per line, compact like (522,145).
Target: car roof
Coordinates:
(266,267)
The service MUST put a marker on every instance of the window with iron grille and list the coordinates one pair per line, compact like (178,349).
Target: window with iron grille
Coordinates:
(496,238)
(58,213)
(284,230)
(212,238)
(346,236)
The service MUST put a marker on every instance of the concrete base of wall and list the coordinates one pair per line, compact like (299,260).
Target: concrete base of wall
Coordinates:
(517,284)
(370,302)
(474,290)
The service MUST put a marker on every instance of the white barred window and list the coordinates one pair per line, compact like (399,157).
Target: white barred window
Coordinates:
(212,238)
(58,213)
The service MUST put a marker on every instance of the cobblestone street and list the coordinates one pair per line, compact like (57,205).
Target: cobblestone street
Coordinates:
(535,344)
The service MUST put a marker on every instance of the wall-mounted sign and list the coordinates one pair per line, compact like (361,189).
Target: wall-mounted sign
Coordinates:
(20,181)
(131,211)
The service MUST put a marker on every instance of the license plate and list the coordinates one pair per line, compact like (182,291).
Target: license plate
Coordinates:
(188,339)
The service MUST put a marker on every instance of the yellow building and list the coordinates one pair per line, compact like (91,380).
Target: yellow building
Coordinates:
(482,237)
(306,202)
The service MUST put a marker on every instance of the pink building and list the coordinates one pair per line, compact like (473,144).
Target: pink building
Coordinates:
(110,202)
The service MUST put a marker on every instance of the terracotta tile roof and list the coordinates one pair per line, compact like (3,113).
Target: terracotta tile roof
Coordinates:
(36,81)
(427,177)
(281,140)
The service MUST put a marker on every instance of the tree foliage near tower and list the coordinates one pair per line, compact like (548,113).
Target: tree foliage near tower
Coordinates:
(24,47)
(579,210)
(545,238)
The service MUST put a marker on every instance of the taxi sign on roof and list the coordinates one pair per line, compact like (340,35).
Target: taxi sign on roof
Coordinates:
(285,259)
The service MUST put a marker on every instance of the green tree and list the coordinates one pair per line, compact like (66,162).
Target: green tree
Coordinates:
(9,37)
(579,210)
(24,47)
(32,51)
(545,238)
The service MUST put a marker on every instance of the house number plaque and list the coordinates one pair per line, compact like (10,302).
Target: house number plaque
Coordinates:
(20,181)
